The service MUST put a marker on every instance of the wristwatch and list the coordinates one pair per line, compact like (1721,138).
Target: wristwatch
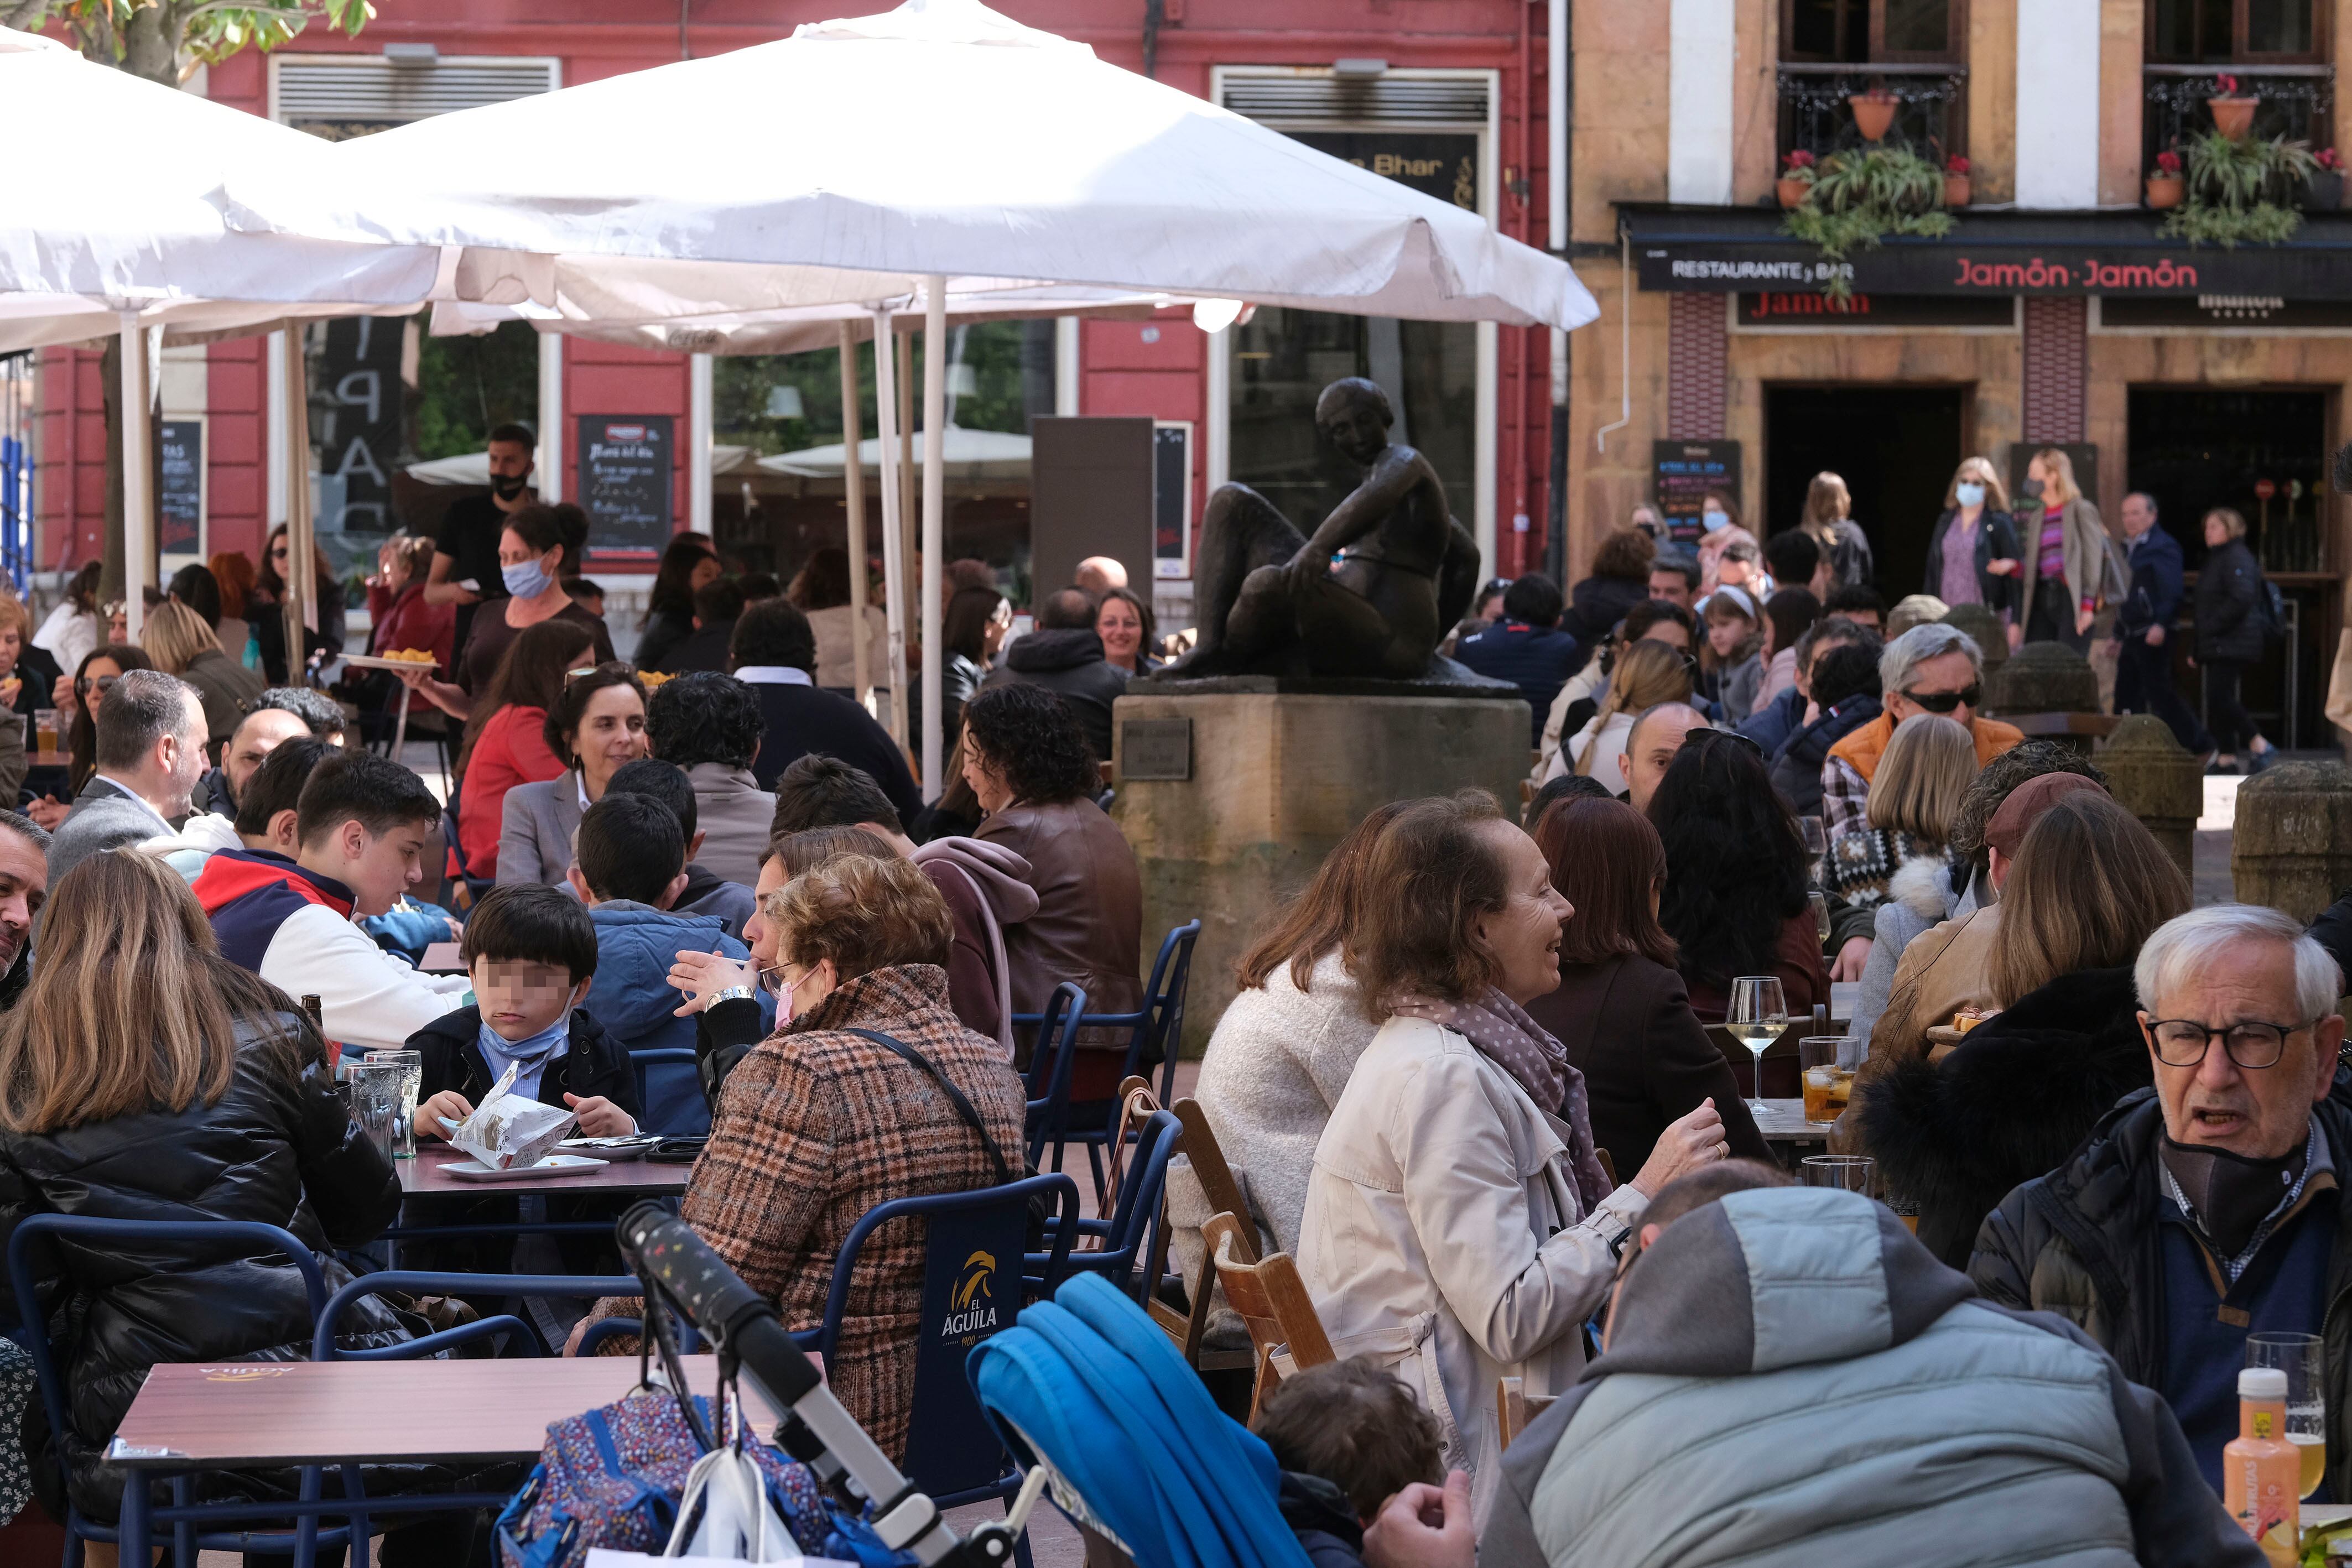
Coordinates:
(731,994)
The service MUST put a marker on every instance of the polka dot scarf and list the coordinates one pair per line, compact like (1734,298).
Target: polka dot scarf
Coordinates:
(1521,1047)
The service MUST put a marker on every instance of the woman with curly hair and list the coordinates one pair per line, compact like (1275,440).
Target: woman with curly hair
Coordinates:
(1028,762)
(1735,899)
(1620,581)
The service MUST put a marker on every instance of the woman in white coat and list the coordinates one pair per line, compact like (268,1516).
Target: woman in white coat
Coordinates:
(1459,1225)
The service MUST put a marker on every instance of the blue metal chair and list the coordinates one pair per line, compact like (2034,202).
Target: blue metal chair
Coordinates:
(1121,1256)
(669,1093)
(187,1522)
(1157,1026)
(1050,1066)
(970,1292)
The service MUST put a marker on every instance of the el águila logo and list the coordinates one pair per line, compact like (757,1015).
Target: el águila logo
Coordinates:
(972,1304)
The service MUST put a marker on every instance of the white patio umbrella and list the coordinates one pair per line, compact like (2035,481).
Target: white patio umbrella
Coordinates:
(938,142)
(110,233)
(966,455)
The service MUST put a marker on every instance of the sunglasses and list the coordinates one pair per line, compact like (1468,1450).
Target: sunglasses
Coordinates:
(610,667)
(85,685)
(1945,701)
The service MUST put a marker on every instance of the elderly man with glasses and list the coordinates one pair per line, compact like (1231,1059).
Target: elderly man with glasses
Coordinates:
(1935,669)
(2205,1209)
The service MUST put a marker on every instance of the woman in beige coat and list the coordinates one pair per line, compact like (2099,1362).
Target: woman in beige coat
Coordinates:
(1459,1224)
(2066,567)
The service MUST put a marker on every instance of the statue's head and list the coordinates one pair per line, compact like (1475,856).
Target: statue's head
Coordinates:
(1354,415)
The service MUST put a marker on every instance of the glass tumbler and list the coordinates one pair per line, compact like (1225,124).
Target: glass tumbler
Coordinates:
(375,1090)
(403,1132)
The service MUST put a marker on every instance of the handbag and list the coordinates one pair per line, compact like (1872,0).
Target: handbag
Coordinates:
(1041,1206)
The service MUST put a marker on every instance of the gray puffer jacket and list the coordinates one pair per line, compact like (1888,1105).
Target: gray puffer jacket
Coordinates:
(1792,1380)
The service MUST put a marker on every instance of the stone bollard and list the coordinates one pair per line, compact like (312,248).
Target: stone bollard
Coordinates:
(2156,780)
(1981,624)
(2043,677)
(2291,848)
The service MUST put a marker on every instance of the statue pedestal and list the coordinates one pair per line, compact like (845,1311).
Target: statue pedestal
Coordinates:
(1233,797)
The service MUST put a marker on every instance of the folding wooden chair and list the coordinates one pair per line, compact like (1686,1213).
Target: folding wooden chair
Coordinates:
(1273,1301)
(1185,1329)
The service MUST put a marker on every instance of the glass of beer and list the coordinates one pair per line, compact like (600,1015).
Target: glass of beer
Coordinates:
(1851,1172)
(45,733)
(1827,1085)
(1757,1017)
(2303,1358)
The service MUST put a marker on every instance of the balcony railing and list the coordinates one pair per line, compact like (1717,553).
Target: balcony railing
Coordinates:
(2297,103)
(1931,116)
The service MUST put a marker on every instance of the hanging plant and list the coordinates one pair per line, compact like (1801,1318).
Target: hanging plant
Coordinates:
(2241,189)
(1861,195)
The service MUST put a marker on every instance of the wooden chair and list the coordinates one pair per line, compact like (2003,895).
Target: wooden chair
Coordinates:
(1272,1301)
(1184,1329)
(1514,1407)
(1608,1166)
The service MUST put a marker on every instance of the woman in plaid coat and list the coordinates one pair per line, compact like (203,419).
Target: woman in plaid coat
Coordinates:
(816,1125)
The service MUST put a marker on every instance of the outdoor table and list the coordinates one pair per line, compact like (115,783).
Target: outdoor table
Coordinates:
(1783,1125)
(422,1178)
(255,1415)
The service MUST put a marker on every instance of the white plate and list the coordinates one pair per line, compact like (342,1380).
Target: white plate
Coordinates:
(370,661)
(551,1166)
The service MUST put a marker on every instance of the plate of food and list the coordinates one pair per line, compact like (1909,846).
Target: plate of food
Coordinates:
(397,660)
(551,1166)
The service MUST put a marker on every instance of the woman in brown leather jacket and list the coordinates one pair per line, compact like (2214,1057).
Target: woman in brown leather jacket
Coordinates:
(1027,758)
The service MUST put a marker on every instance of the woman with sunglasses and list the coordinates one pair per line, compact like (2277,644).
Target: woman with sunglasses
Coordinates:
(1936,669)
(266,608)
(595,728)
(76,699)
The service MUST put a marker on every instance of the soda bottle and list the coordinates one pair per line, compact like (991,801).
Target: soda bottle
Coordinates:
(2261,1470)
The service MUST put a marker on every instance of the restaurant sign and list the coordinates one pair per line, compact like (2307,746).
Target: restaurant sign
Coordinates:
(1954,268)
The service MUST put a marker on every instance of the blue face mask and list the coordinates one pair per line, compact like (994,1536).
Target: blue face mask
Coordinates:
(1715,520)
(525,580)
(1969,493)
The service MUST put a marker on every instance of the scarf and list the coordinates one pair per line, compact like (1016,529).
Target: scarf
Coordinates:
(2230,1199)
(1507,1037)
(530,1056)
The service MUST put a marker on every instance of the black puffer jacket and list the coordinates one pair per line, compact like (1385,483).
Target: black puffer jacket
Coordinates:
(2009,1105)
(1797,771)
(278,1149)
(1594,606)
(2232,616)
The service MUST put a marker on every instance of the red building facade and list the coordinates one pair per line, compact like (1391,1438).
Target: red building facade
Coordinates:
(1408,72)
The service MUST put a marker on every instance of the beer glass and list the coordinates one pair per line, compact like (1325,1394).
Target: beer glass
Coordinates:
(403,1132)
(1849,1172)
(1827,1085)
(1755,1018)
(2303,1358)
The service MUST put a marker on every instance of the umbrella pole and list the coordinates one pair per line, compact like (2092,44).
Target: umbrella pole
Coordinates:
(852,479)
(906,346)
(935,448)
(894,548)
(301,574)
(137,476)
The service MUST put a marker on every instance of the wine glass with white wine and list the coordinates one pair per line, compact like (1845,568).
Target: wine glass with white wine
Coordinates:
(1757,1016)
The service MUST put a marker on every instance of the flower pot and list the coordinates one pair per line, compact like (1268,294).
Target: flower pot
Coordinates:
(1872,116)
(2233,117)
(2325,191)
(1792,191)
(2164,191)
(1955,190)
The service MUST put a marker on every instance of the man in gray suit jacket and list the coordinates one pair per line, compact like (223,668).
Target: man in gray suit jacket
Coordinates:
(709,724)
(150,754)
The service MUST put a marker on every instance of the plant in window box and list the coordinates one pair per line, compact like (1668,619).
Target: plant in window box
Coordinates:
(1861,195)
(2242,190)
(1796,180)
(2324,190)
(1956,180)
(2165,186)
(2234,116)
(1873,111)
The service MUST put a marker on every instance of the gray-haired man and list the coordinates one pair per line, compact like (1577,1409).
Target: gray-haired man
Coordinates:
(1935,669)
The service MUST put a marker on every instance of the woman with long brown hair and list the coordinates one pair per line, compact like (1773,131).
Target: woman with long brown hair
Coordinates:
(1829,521)
(1646,674)
(219,1106)
(1620,1010)
(2067,568)
(268,597)
(505,742)
(1460,1227)
(99,669)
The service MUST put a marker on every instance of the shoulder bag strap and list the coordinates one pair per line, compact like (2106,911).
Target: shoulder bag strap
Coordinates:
(955,1096)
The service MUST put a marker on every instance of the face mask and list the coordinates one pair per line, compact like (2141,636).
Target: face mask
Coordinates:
(525,580)
(507,486)
(1715,520)
(1970,495)
(2031,489)
(772,981)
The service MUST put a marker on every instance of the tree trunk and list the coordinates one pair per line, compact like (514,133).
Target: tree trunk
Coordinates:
(151,43)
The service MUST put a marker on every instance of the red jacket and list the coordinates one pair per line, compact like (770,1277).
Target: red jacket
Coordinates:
(510,751)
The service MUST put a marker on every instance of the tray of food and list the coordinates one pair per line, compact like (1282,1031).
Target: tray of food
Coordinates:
(397,660)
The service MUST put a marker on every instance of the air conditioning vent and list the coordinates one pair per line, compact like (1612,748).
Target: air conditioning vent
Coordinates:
(1394,98)
(341,98)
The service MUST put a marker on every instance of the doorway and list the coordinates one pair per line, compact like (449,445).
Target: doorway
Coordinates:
(1896,447)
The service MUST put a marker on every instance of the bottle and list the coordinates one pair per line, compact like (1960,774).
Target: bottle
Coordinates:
(2261,1472)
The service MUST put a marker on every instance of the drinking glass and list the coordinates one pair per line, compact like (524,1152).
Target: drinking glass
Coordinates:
(1816,847)
(375,1088)
(2303,1358)
(1827,1085)
(1848,1173)
(1757,1017)
(403,1132)
(1820,902)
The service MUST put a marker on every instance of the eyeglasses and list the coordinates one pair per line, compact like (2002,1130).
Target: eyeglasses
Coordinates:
(1945,701)
(2183,1042)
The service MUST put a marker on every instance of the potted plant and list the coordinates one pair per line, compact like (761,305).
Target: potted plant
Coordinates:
(2164,187)
(2232,116)
(1956,180)
(2241,190)
(1873,111)
(2323,188)
(1860,195)
(1796,180)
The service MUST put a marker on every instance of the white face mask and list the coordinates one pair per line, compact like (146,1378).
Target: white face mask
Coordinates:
(1714,520)
(1970,493)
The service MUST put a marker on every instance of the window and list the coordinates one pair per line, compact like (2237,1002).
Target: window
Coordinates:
(1872,32)
(2236,32)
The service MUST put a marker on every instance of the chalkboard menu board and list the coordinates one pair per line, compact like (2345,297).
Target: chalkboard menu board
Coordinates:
(1683,471)
(180,499)
(625,484)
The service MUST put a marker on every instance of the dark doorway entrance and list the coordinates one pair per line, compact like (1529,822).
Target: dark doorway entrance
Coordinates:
(1896,447)
(2194,449)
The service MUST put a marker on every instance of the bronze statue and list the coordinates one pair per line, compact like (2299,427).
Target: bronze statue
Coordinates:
(1371,594)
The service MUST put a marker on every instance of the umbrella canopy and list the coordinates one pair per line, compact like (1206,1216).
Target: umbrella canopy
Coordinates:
(969,454)
(114,215)
(1004,152)
(474,467)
